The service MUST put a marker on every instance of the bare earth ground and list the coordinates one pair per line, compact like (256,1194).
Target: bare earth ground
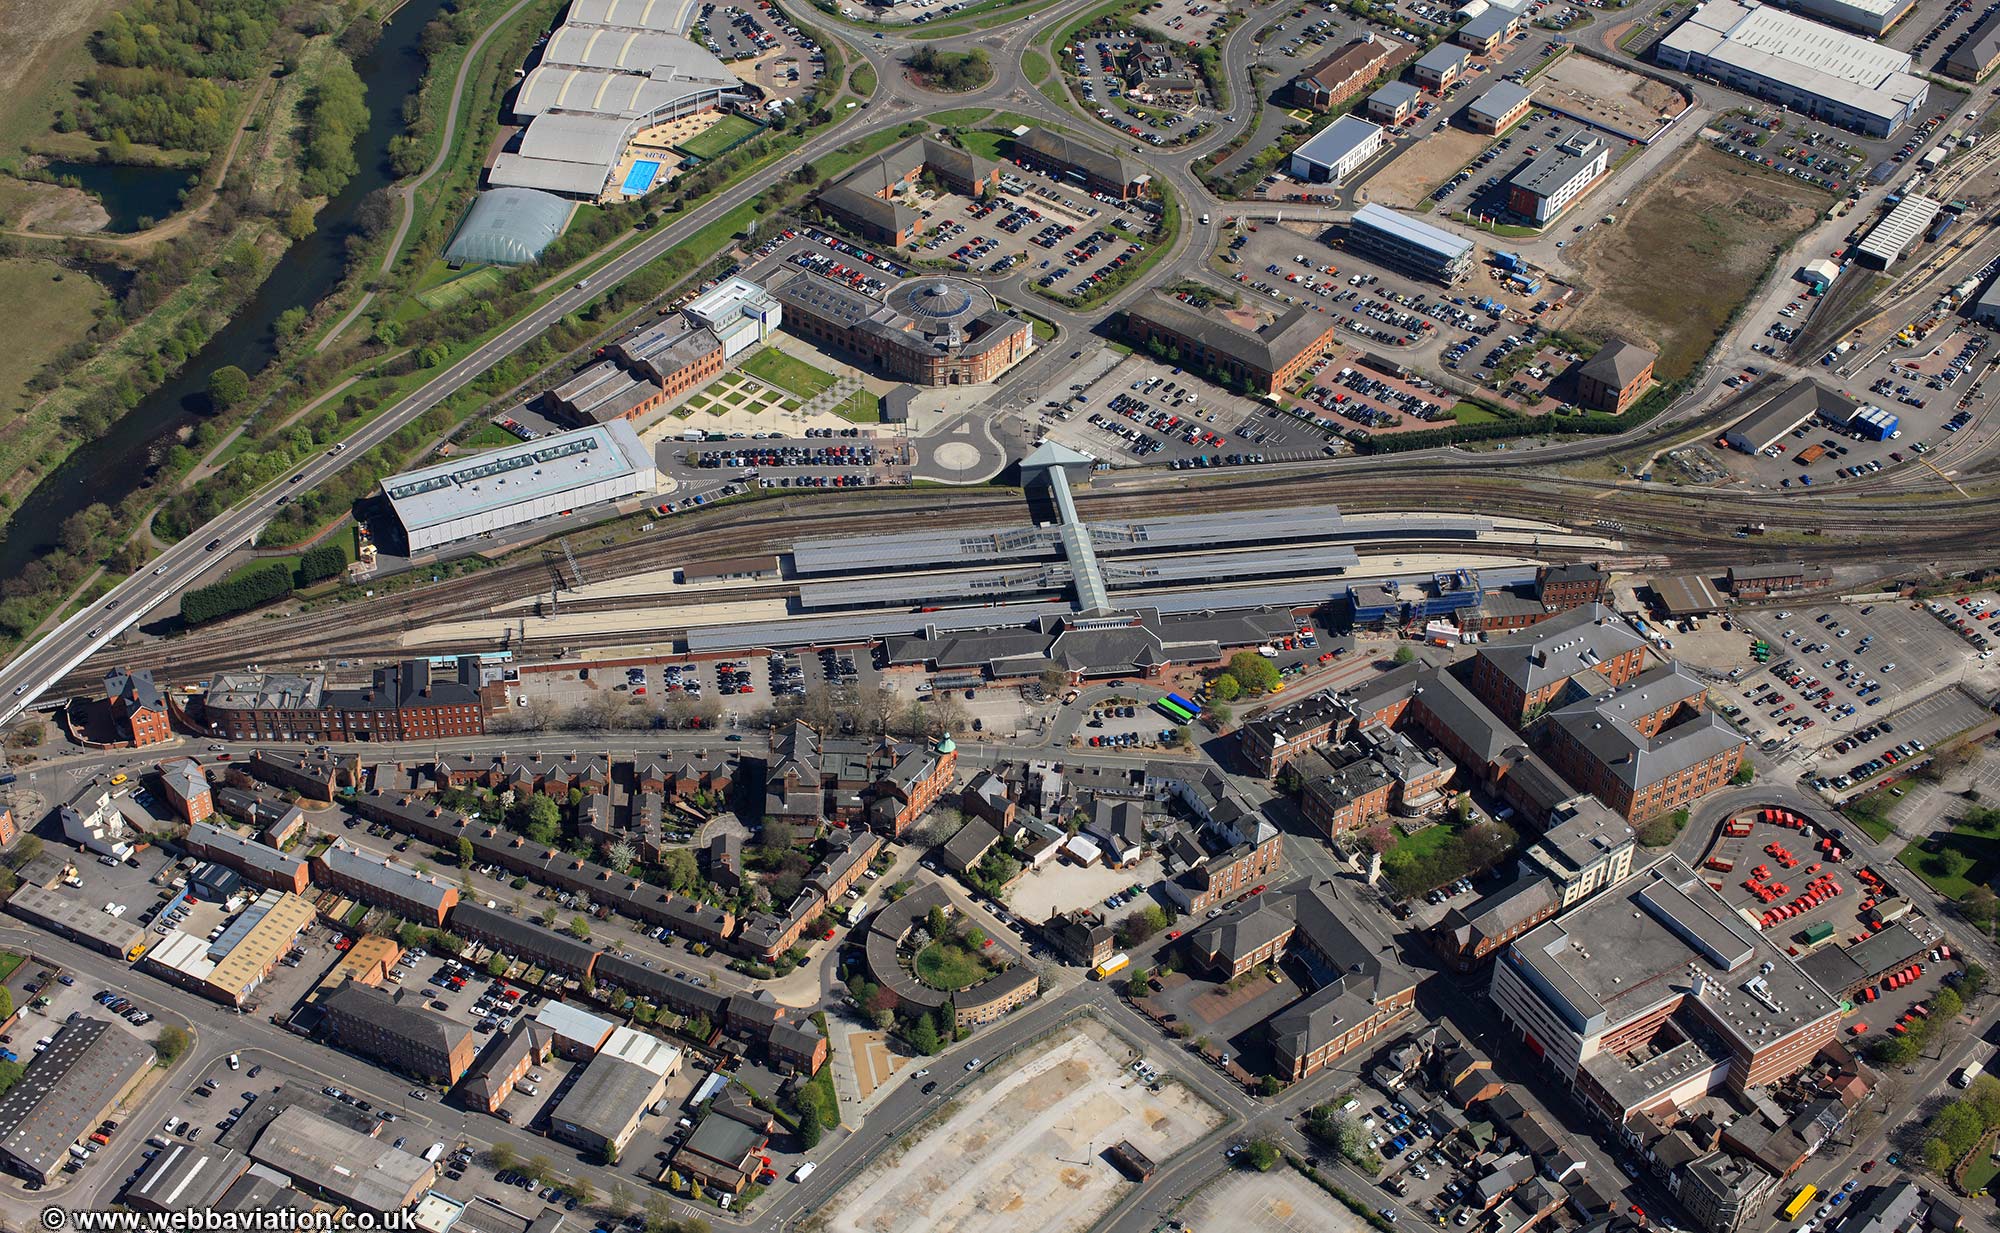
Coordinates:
(44,53)
(1606,94)
(1708,212)
(1022,1152)
(1280,1201)
(1422,166)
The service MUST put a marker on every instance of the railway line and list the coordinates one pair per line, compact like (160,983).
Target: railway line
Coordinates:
(1694,528)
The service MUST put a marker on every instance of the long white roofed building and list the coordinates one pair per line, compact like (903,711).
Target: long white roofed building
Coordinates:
(613,69)
(490,492)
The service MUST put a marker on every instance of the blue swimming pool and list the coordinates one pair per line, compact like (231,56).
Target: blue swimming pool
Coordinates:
(641,177)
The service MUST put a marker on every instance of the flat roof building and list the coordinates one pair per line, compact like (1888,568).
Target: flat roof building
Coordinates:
(1393,103)
(87,923)
(235,965)
(1824,73)
(66,1090)
(601,1111)
(1409,244)
(487,493)
(1547,186)
(1871,17)
(345,1166)
(1603,1024)
(1336,151)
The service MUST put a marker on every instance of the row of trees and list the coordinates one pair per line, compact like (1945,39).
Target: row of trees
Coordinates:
(336,114)
(1960,1125)
(257,585)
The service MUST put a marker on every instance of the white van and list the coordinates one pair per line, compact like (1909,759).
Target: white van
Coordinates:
(804,1171)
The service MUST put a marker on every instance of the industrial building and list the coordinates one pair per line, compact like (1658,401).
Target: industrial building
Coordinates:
(932,331)
(601,1110)
(1986,309)
(1096,170)
(1336,151)
(241,958)
(496,491)
(1340,76)
(597,87)
(1976,56)
(1891,239)
(66,1090)
(1839,78)
(1497,110)
(869,199)
(1871,17)
(1656,993)
(1268,358)
(1408,244)
(1547,186)
(265,866)
(508,226)
(1437,69)
(1804,402)
(87,924)
(343,1165)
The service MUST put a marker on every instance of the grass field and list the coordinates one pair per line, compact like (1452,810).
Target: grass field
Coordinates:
(1871,814)
(1953,862)
(1473,413)
(9,960)
(488,436)
(58,305)
(1036,66)
(860,407)
(1707,212)
(959,115)
(444,295)
(774,367)
(984,144)
(717,138)
(862,79)
(947,965)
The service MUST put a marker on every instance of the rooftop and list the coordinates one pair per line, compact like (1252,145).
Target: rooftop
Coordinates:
(496,479)
(1413,231)
(66,1088)
(336,1161)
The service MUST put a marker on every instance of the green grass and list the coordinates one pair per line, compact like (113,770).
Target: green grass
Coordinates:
(947,965)
(983,143)
(9,961)
(291,560)
(488,436)
(1508,230)
(774,367)
(1953,862)
(1871,814)
(1473,413)
(860,407)
(1037,67)
(862,80)
(959,116)
(1980,1173)
(718,138)
(444,295)
(853,152)
(48,308)
(1412,848)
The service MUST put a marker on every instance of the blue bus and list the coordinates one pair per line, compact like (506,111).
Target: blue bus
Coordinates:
(1184,704)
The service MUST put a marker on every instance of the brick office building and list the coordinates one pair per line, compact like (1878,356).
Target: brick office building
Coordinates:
(1269,358)
(137,706)
(1519,674)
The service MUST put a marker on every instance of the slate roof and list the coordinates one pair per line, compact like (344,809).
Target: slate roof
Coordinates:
(1617,363)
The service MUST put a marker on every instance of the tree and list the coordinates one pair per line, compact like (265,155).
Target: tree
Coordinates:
(1261,1154)
(938,923)
(503,1156)
(1404,654)
(618,1202)
(579,928)
(1142,924)
(1938,1156)
(496,965)
(542,1169)
(171,1044)
(464,853)
(1253,672)
(228,386)
(924,1037)
(1379,838)
(1053,680)
(1744,774)
(974,937)
(659,1212)
(1225,688)
(580,1189)
(810,1130)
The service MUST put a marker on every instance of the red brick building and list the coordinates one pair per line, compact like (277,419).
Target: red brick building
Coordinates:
(1615,377)
(1647,747)
(1522,673)
(1270,358)
(1342,75)
(137,706)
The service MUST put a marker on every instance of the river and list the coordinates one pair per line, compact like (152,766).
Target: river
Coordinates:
(110,466)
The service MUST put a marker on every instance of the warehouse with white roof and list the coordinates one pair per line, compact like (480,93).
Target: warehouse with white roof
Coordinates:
(1895,235)
(490,492)
(1336,151)
(1409,244)
(1811,68)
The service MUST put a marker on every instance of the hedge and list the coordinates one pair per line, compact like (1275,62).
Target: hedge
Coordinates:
(325,561)
(239,594)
